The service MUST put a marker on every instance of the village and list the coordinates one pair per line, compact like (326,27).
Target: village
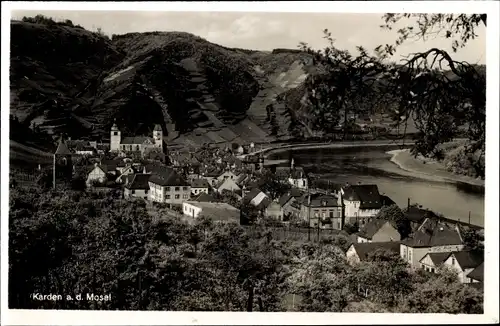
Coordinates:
(233,184)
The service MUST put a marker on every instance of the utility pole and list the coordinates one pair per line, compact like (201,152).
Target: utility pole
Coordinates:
(309,215)
(469,217)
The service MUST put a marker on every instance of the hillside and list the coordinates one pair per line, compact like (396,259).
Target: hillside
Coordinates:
(65,79)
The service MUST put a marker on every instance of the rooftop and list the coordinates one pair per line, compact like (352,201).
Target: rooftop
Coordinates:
(434,233)
(372,227)
(199,183)
(368,195)
(139,181)
(478,273)
(217,211)
(469,259)
(363,249)
(166,176)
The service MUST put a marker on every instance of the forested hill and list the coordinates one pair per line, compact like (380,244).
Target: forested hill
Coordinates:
(66,79)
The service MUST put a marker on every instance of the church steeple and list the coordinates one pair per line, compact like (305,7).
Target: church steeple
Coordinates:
(62,165)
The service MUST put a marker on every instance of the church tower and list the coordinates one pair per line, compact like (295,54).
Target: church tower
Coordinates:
(115,139)
(158,136)
(62,164)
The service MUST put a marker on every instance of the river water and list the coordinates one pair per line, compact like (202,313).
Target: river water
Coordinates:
(371,165)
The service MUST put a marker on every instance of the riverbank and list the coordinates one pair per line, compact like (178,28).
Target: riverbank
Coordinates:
(430,170)
(271,149)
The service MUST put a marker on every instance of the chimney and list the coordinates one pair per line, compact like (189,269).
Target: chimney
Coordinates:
(359,183)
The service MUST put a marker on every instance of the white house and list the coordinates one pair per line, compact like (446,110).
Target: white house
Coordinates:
(432,261)
(431,237)
(295,175)
(138,187)
(362,203)
(124,172)
(98,174)
(227,184)
(464,262)
(227,175)
(167,186)
(199,186)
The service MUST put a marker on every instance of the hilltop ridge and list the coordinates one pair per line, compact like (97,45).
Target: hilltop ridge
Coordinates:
(66,79)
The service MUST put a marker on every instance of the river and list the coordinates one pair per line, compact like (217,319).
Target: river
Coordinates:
(372,165)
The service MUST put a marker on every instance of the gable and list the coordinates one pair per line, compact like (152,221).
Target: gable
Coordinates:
(426,260)
(98,170)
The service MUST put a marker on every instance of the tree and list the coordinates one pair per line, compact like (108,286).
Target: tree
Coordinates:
(443,294)
(443,96)
(273,185)
(343,84)
(394,214)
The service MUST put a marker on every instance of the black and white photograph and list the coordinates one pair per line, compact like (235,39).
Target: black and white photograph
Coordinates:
(254,161)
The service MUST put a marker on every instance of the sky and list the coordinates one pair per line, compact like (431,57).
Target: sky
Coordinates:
(264,31)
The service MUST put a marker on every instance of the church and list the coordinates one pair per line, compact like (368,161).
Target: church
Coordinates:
(140,144)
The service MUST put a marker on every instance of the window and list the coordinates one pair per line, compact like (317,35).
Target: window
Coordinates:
(115,133)
(185,196)
(432,270)
(167,188)
(331,214)
(133,191)
(177,188)
(167,197)
(177,196)
(453,261)
(136,147)
(185,188)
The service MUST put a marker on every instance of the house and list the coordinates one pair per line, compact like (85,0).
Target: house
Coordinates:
(227,184)
(432,236)
(290,204)
(295,175)
(99,174)
(84,149)
(358,252)
(128,170)
(211,177)
(167,186)
(199,186)
(417,215)
(138,187)
(477,274)
(274,211)
(203,197)
(379,230)
(137,143)
(464,262)
(362,202)
(321,207)
(257,198)
(433,260)
(227,175)
(220,212)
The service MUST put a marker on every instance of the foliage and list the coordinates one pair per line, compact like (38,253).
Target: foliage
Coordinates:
(351,228)
(473,239)
(345,82)
(443,294)
(395,214)
(69,242)
(273,185)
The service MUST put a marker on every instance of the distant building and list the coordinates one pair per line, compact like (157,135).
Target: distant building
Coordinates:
(138,187)
(291,205)
(62,164)
(324,209)
(257,198)
(379,230)
(362,203)
(199,186)
(463,263)
(431,237)
(228,184)
(140,144)
(274,211)
(358,252)
(99,174)
(167,186)
(477,274)
(295,175)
